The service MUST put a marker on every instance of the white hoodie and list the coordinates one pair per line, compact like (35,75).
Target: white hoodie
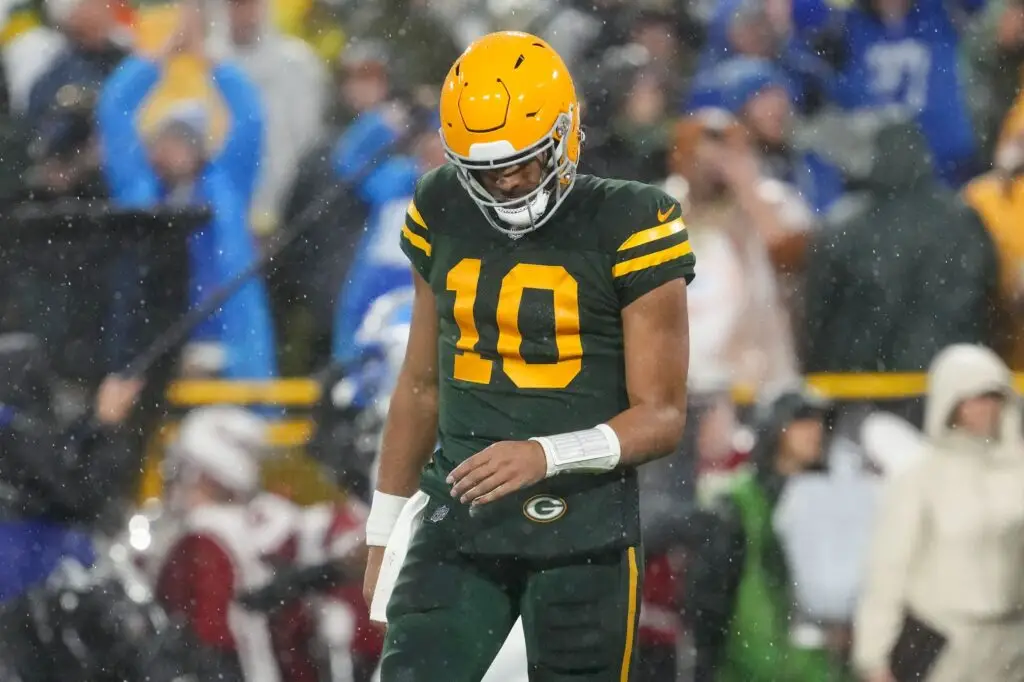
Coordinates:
(949,540)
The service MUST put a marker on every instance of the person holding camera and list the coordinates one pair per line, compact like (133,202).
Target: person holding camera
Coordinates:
(54,478)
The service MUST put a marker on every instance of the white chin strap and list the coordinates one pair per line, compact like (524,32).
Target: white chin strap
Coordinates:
(528,213)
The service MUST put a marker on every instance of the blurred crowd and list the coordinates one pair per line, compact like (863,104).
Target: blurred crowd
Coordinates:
(851,176)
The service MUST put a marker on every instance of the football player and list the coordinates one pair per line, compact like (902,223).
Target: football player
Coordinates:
(547,356)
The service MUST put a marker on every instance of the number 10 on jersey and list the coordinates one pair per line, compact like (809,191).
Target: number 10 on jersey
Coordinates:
(470,366)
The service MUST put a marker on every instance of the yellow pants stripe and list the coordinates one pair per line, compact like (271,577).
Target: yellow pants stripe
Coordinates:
(634,577)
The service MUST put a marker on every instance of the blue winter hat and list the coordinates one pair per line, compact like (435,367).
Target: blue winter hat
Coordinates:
(744,78)
(734,82)
(707,92)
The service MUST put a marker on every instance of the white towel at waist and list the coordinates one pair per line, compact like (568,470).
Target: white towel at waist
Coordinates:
(394,554)
(510,664)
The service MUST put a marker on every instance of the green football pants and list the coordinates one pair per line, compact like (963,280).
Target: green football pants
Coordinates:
(450,614)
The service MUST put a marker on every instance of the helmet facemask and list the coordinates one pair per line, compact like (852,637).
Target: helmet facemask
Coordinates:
(522,215)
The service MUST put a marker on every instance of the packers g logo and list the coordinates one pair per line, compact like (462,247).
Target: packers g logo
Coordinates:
(544,508)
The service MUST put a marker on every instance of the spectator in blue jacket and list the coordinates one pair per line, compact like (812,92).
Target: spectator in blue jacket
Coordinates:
(173,166)
(386,187)
(903,53)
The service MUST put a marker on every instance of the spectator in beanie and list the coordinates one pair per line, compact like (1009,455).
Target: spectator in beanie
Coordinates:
(761,96)
(628,125)
(365,78)
(215,551)
(739,592)
(948,546)
(739,328)
(636,144)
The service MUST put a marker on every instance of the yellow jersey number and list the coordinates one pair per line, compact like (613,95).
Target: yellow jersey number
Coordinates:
(472,367)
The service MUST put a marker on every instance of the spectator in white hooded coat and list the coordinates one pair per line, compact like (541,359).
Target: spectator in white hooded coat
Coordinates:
(949,542)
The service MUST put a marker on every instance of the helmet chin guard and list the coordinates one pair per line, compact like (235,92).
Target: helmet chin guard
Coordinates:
(522,215)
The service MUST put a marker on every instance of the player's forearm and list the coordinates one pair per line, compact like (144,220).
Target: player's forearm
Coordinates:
(648,432)
(642,433)
(410,434)
(656,333)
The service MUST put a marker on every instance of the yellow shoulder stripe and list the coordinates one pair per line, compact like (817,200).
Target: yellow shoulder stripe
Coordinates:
(652,259)
(414,213)
(653,234)
(416,240)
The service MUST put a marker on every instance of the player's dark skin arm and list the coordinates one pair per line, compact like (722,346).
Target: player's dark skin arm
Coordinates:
(657,343)
(656,333)
(410,431)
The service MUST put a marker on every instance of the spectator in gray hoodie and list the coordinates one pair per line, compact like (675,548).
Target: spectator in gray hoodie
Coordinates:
(294,85)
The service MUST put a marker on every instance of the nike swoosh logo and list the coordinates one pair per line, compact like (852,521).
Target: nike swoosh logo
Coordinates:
(663,215)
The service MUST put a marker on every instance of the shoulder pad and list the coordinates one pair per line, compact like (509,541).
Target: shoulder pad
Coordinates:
(632,209)
(434,191)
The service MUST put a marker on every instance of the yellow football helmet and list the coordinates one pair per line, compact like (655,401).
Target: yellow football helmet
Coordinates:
(507,100)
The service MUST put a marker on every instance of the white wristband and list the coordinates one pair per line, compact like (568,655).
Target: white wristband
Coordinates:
(383,516)
(593,451)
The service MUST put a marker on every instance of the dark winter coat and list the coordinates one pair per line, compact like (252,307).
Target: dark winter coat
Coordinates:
(908,275)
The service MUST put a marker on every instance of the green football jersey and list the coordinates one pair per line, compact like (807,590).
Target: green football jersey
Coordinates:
(531,344)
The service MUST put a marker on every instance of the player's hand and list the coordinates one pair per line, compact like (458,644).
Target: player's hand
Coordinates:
(374,558)
(497,471)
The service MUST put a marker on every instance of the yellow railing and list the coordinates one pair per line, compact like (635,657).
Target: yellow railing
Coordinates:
(283,392)
(298,396)
(293,474)
(301,394)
